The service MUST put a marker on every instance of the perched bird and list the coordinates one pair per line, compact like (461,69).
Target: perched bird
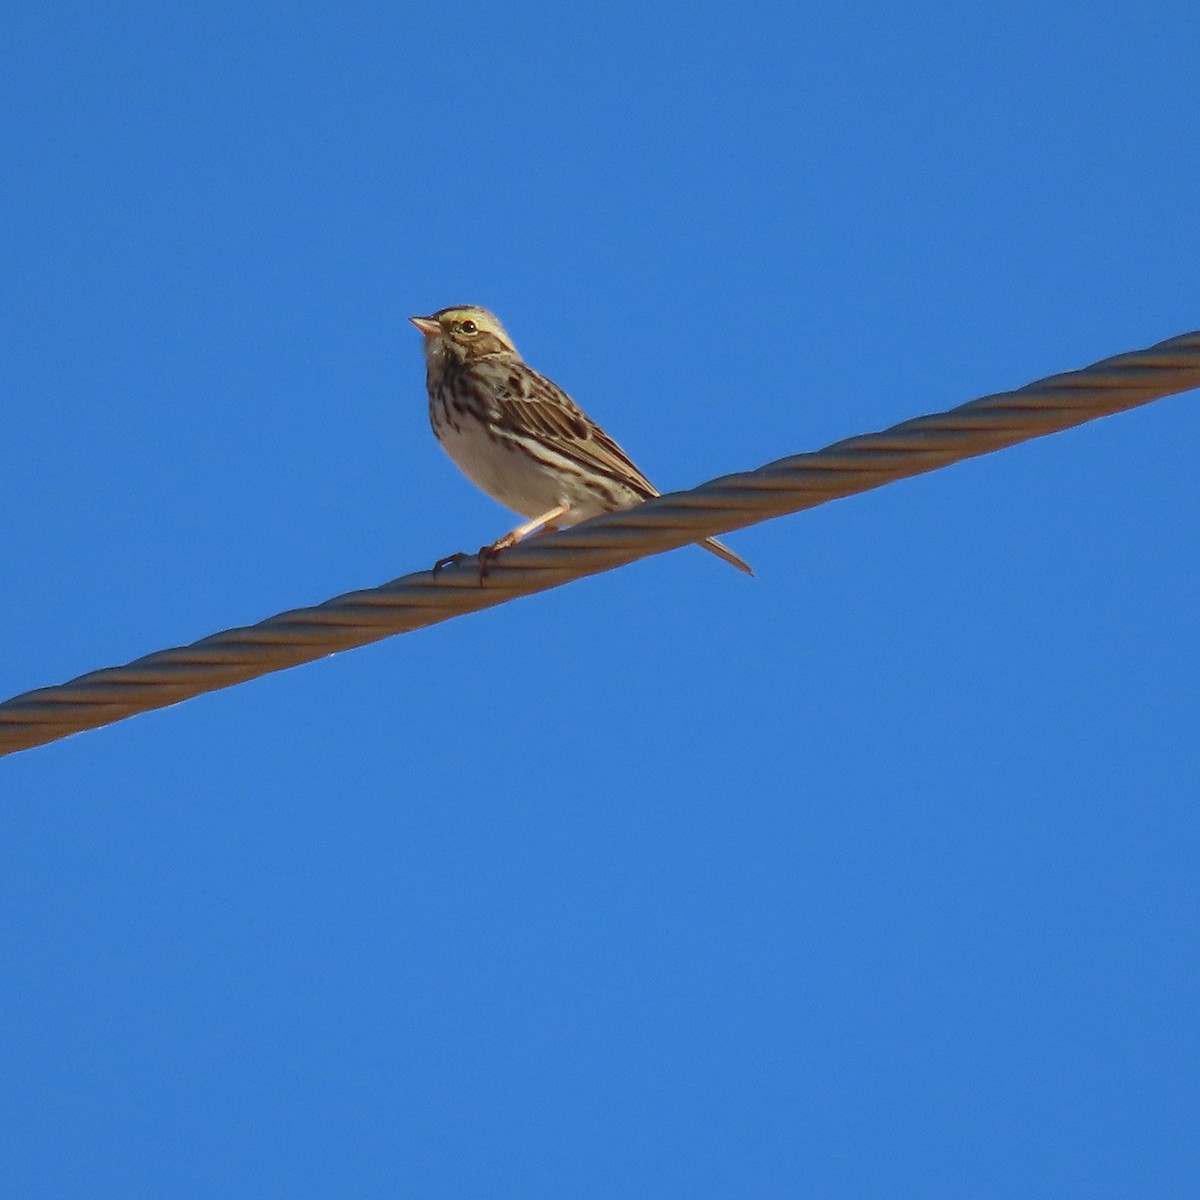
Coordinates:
(519,437)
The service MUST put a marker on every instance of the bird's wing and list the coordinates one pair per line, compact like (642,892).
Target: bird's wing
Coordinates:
(530,405)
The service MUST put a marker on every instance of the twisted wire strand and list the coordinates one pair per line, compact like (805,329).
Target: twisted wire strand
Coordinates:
(787,485)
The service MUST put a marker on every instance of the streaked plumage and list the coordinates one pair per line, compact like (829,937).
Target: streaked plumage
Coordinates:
(518,436)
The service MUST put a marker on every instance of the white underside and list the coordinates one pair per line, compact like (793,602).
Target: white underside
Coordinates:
(518,482)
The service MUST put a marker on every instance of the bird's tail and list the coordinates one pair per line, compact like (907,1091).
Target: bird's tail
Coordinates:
(723,551)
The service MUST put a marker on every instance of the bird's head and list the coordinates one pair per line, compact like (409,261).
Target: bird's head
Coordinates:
(462,333)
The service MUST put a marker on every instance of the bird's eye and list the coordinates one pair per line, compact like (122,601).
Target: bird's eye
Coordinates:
(469,327)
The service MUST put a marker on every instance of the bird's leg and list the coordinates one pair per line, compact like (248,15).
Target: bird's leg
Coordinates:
(487,553)
(523,531)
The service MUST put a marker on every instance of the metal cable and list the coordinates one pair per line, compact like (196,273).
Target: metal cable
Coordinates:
(731,502)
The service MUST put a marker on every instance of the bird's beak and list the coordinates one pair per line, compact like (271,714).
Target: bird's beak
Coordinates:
(427,325)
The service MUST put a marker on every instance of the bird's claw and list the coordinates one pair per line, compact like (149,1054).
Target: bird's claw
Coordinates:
(486,556)
(451,560)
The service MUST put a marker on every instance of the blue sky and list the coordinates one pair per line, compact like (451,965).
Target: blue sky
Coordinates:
(874,875)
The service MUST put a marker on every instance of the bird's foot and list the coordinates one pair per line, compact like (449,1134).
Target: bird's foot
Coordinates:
(451,560)
(488,553)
